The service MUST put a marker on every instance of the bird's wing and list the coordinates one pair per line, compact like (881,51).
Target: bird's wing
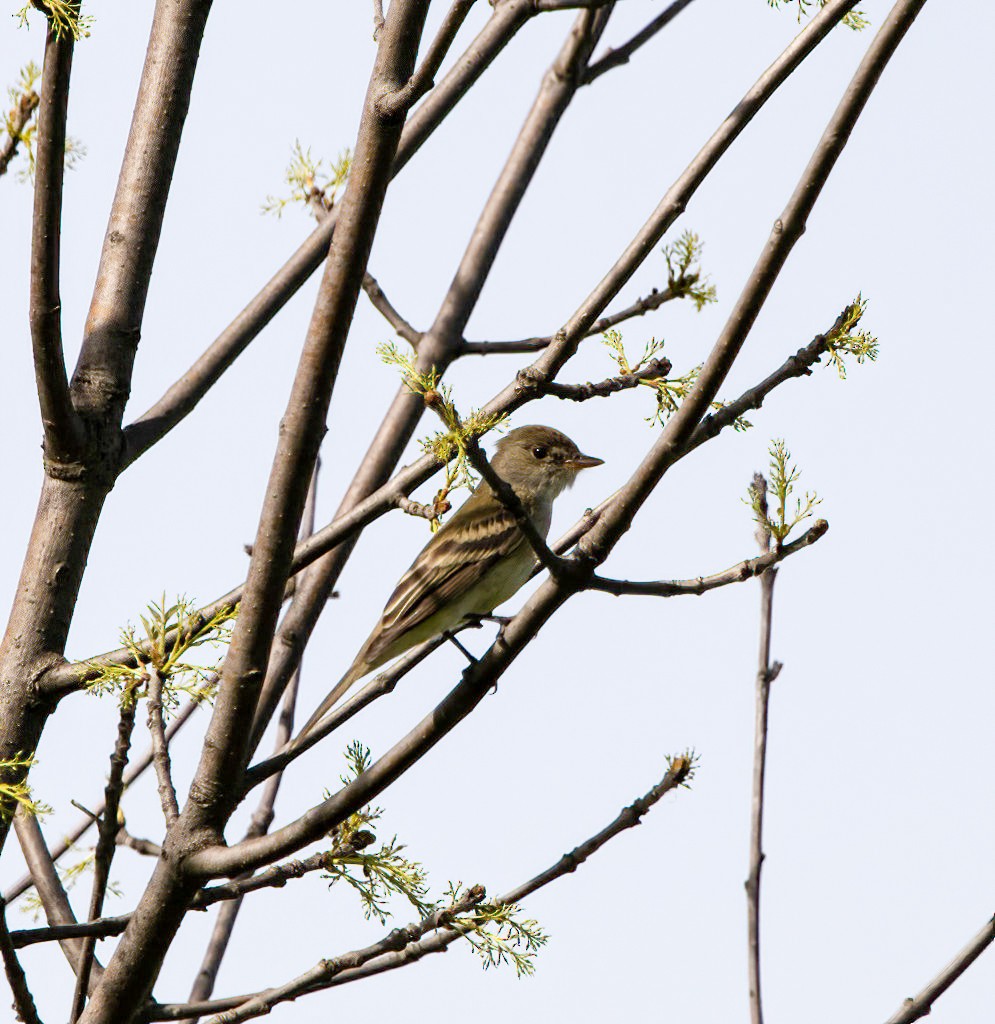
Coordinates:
(455,560)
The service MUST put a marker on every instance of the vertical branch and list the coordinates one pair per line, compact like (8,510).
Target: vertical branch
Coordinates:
(102,379)
(106,845)
(24,1004)
(262,818)
(62,428)
(160,749)
(766,674)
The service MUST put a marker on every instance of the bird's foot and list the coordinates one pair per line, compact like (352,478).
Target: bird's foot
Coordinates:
(452,637)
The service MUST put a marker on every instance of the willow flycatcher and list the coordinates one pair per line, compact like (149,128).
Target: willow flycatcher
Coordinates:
(478,559)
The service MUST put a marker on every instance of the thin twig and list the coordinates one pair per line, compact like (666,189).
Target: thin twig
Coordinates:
(914,1008)
(620,55)
(379,686)
(397,103)
(378,19)
(640,307)
(63,430)
(383,305)
(106,842)
(745,570)
(24,1004)
(653,370)
(766,673)
(143,846)
(160,749)
(678,774)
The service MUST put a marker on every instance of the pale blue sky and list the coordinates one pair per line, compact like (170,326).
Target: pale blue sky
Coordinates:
(880,812)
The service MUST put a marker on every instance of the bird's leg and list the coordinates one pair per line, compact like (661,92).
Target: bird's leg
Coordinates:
(452,637)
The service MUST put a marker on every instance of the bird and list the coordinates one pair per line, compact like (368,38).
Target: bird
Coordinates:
(477,560)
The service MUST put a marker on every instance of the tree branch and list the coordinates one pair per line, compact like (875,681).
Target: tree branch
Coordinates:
(640,307)
(383,306)
(160,748)
(63,431)
(738,573)
(24,1004)
(678,774)
(615,57)
(654,369)
(102,380)
(397,103)
(106,843)
(913,1009)
(766,673)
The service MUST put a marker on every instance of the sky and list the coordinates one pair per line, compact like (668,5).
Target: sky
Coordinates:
(879,814)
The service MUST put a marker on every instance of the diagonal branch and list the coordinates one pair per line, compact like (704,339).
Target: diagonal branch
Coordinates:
(640,307)
(400,101)
(384,307)
(620,55)
(160,748)
(679,773)
(24,1004)
(738,573)
(913,1009)
(63,431)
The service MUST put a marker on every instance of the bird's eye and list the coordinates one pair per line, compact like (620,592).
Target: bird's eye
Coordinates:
(540,451)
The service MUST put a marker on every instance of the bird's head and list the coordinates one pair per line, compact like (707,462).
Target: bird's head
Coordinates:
(539,462)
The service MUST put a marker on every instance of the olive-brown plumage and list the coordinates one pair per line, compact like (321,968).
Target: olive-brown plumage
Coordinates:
(478,559)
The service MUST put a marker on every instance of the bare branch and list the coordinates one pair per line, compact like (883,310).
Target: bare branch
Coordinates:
(678,774)
(160,749)
(383,306)
(766,672)
(106,842)
(24,1004)
(417,509)
(639,308)
(738,573)
(63,431)
(377,19)
(397,103)
(914,1008)
(654,369)
(323,972)
(102,380)
(620,55)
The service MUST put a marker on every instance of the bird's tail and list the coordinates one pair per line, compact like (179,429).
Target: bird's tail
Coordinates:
(357,671)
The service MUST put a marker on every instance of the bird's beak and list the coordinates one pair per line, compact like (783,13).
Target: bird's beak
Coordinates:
(584,461)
